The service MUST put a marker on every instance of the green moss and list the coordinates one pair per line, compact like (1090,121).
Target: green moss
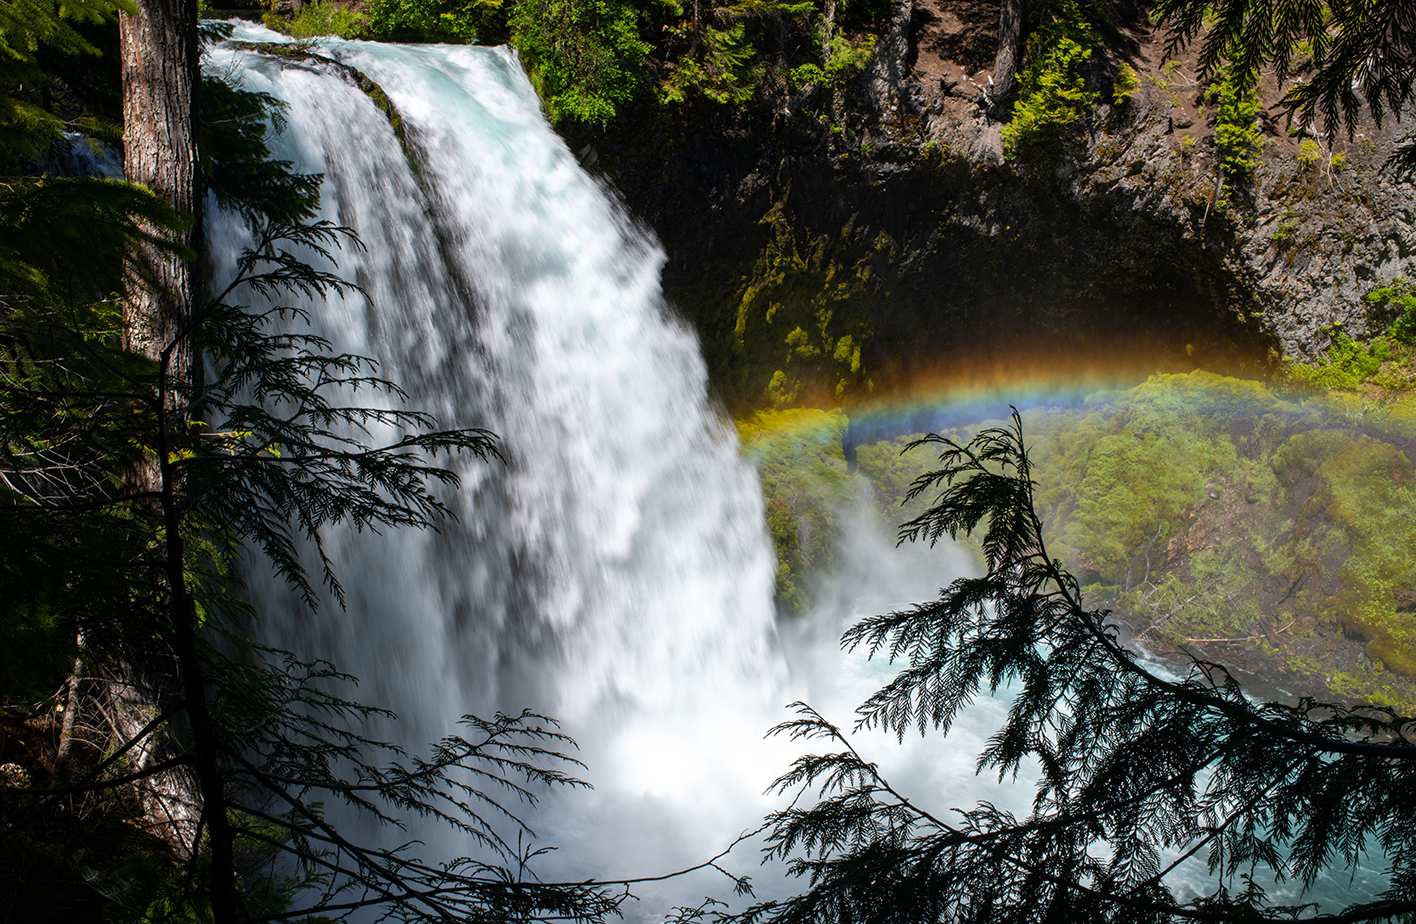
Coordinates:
(1210,507)
(805,313)
(805,484)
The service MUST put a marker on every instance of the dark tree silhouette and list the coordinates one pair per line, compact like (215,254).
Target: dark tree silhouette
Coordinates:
(1349,56)
(1138,772)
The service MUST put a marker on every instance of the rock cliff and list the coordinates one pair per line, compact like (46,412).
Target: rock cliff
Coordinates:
(832,241)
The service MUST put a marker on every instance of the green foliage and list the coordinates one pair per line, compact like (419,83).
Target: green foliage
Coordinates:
(714,51)
(423,20)
(849,58)
(324,18)
(1135,770)
(1237,135)
(583,56)
(31,30)
(1346,364)
(844,60)
(451,21)
(1283,234)
(1309,154)
(720,65)
(805,75)
(1124,84)
(1052,88)
(1398,299)
(240,173)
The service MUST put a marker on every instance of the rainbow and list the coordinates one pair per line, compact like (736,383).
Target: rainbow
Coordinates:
(958,394)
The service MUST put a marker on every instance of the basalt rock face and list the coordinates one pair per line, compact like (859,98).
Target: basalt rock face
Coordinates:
(830,243)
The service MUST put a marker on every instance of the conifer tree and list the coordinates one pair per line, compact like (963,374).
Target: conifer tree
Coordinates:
(133,585)
(1348,56)
(1139,773)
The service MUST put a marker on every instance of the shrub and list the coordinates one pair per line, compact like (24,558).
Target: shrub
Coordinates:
(1399,298)
(434,20)
(1124,84)
(1346,364)
(583,56)
(1236,131)
(1308,154)
(1053,96)
(323,18)
(849,58)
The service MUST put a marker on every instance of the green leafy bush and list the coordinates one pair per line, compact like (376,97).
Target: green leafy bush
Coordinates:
(1308,154)
(419,20)
(1124,84)
(849,58)
(1399,299)
(583,56)
(1052,89)
(804,75)
(716,56)
(723,68)
(1346,364)
(324,18)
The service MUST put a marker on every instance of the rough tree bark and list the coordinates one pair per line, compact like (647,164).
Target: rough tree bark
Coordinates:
(161,79)
(1005,63)
(160,52)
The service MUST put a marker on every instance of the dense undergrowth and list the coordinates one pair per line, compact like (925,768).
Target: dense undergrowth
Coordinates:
(587,58)
(1268,526)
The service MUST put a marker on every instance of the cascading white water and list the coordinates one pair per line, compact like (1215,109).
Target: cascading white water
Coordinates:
(614,572)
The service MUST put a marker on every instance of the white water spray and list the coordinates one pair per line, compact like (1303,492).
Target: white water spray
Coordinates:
(615,572)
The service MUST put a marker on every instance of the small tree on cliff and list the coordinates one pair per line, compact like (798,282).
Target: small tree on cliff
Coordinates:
(1139,774)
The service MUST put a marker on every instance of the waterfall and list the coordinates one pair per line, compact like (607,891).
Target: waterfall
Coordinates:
(614,572)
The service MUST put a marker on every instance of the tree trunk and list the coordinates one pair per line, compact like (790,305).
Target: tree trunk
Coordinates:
(1010,35)
(71,708)
(161,80)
